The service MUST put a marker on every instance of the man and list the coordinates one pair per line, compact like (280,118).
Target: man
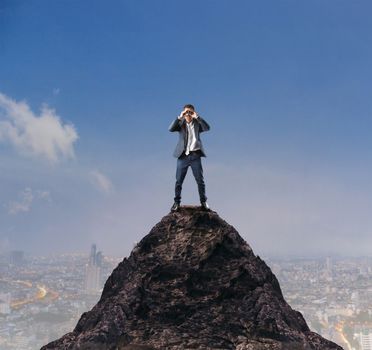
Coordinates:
(189,151)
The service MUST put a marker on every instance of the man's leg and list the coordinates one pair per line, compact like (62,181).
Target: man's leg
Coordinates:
(182,166)
(197,170)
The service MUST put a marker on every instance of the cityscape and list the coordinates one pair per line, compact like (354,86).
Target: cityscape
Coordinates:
(42,298)
(334,294)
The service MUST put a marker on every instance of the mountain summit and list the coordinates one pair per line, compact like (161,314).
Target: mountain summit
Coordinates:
(192,283)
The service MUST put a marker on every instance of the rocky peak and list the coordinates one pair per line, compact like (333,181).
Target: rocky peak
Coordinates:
(192,283)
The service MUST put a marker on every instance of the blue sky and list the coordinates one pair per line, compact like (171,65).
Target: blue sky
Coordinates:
(89,88)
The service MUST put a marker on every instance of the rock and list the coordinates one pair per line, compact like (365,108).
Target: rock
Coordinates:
(192,283)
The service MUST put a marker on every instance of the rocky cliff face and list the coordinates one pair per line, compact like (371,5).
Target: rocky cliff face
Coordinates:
(192,283)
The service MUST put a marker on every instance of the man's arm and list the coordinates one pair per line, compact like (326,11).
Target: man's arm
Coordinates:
(204,126)
(176,124)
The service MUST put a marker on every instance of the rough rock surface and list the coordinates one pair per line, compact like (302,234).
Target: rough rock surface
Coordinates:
(192,283)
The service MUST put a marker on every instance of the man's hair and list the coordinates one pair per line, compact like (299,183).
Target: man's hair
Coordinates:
(189,106)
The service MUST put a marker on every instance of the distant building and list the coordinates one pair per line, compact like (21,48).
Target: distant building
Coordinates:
(5,303)
(92,256)
(92,283)
(365,339)
(99,258)
(329,268)
(355,299)
(16,257)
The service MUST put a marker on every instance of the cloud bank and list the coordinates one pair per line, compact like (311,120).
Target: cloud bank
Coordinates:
(26,198)
(101,181)
(32,135)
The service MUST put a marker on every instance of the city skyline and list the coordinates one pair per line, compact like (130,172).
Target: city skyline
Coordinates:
(48,300)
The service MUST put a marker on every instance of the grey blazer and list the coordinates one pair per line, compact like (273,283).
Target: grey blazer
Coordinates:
(200,125)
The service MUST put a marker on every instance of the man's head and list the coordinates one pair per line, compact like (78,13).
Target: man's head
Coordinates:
(189,111)
(189,107)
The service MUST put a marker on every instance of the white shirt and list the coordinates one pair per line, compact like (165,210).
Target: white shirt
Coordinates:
(191,139)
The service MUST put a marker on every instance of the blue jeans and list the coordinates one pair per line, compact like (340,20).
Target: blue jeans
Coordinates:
(193,159)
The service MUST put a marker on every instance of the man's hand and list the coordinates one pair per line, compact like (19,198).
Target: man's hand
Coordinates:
(182,114)
(193,114)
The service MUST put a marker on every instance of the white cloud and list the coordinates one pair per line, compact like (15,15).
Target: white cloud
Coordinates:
(101,181)
(23,204)
(44,195)
(33,135)
(26,198)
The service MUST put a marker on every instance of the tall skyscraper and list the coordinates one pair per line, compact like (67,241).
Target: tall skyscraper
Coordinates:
(92,257)
(329,268)
(92,283)
(99,258)
(16,257)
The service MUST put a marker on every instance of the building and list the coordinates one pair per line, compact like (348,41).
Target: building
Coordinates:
(329,268)
(92,283)
(365,339)
(16,257)
(5,303)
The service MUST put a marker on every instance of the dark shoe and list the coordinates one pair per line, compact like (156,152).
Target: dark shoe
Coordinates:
(175,206)
(205,205)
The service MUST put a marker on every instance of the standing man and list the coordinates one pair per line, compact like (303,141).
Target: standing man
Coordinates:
(189,151)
